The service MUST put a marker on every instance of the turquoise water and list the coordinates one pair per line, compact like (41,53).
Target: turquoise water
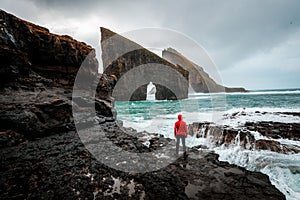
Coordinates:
(159,117)
(271,99)
(205,103)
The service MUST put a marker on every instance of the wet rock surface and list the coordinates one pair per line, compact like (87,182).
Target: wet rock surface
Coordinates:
(276,129)
(205,177)
(251,135)
(36,114)
(59,166)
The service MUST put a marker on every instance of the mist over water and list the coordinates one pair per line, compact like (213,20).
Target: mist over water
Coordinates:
(282,169)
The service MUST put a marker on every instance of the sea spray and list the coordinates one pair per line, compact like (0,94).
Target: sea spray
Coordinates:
(283,169)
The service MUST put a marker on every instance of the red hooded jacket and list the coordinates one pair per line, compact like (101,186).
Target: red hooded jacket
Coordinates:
(180,127)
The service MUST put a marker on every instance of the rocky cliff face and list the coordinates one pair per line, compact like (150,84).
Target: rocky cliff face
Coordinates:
(120,55)
(26,47)
(37,73)
(199,80)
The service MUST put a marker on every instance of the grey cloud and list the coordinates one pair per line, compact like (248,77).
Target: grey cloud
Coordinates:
(238,29)
(231,31)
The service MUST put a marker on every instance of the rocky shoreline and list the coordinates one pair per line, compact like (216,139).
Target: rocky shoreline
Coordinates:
(59,166)
(42,155)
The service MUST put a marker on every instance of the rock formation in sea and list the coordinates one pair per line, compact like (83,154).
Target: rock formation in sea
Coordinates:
(121,55)
(244,137)
(199,80)
(42,155)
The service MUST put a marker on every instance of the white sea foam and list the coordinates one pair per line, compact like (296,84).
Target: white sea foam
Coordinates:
(284,178)
(239,116)
(278,167)
(267,92)
(259,136)
(282,169)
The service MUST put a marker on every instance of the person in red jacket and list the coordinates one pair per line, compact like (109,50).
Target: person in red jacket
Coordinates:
(180,132)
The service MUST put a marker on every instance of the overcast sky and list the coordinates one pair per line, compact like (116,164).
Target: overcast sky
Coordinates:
(254,44)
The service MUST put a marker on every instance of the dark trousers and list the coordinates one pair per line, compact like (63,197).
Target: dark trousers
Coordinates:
(178,137)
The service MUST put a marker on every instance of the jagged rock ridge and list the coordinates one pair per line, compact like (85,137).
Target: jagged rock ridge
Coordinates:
(199,80)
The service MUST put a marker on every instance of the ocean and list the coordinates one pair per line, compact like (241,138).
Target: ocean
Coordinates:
(159,116)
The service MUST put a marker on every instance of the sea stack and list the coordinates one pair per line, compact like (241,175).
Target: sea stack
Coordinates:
(121,55)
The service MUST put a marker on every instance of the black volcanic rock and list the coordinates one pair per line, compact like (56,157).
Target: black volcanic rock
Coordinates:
(277,129)
(222,135)
(121,55)
(37,73)
(198,78)
(53,166)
